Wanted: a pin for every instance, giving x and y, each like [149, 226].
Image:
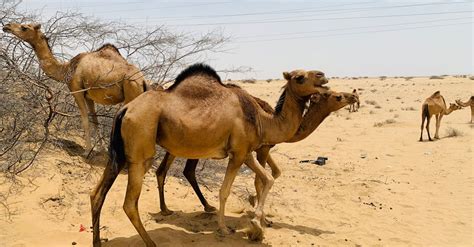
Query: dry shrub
[251, 81]
[410, 108]
[436, 77]
[471, 77]
[371, 102]
[452, 132]
[388, 121]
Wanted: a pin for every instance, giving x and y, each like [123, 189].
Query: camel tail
[116, 149]
[425, 112]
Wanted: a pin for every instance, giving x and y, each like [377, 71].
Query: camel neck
[48, 63]
[281, 126]
[448, 111]
[311, 120]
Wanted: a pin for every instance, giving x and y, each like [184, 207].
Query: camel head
[304, 83]
[458, 102]
[333, 100]
[30, 33]
[453, 107]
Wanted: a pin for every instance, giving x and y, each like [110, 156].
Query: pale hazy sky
[341, 38]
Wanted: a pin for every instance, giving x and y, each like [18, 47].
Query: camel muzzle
[6, 29]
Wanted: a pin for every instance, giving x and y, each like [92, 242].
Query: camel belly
[110, 96]
[196, 134]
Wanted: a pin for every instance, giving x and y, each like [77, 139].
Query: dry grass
[252, 81]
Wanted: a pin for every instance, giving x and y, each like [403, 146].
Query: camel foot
[436, 137]
[210, 209]
[431, 140]
[223, 231]
[266, 222]
[166, 212]
[256, 232]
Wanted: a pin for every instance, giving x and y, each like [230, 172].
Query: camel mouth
[6, 29]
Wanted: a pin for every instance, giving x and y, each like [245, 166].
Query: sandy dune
[380, 185]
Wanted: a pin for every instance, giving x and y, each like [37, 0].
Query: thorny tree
[36, 110]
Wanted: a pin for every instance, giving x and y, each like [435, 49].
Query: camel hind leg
[428, 127]
[190, 174]
[97, 199]
[160, 177]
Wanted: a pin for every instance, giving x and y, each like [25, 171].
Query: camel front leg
[190, 174]
[438, 123]
[136, 172]
[472, 113]
[235, 161]
[91, 106]
[160, 177]
[256, 234]
[81, 103]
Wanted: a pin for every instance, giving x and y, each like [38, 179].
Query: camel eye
[320, 74]
[339, 98]
[299, 79]
[24, 29]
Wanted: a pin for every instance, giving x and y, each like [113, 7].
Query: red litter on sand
[82, 228]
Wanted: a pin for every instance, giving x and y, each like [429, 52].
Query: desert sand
[380, 185]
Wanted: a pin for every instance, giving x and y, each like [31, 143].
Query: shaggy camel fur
[435, 105]
[322, 104]
[356, 105]
[102, 76]
[200, 117]
[470, 103]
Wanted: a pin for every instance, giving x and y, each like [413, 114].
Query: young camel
[102, 76]
[200, 117]
[321, 106]
[470, 103]
[352, 107]
[435, 105]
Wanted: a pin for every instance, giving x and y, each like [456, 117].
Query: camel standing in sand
[102, 76]
[321, 106]
[356, 105]
[470, 103]
[200, 117]
[435, 105]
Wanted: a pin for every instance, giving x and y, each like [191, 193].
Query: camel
[435, 105]
[320, 107]
[470, 102]
[102, 76]
[352, 107]
[200, 117]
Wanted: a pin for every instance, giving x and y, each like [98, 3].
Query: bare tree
[36, 111]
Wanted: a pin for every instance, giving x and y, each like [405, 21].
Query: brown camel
[200, 117]
[102, 76]
[470, 102]
[356, 105]
[322, 104]
[435, 105]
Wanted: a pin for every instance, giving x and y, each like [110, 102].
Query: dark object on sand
[319, 161]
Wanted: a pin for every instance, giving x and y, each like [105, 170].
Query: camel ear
[36, 26]
[287, 76]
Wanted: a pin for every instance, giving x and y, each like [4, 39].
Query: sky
[341, 38]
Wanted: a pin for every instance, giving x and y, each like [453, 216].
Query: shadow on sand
[199, 229]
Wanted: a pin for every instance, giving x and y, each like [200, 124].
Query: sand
[380, 185]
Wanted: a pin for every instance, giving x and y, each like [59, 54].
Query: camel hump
[108, 46]
[195, 69]
[436, 94]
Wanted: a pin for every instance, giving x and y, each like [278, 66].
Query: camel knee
[130, 210]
